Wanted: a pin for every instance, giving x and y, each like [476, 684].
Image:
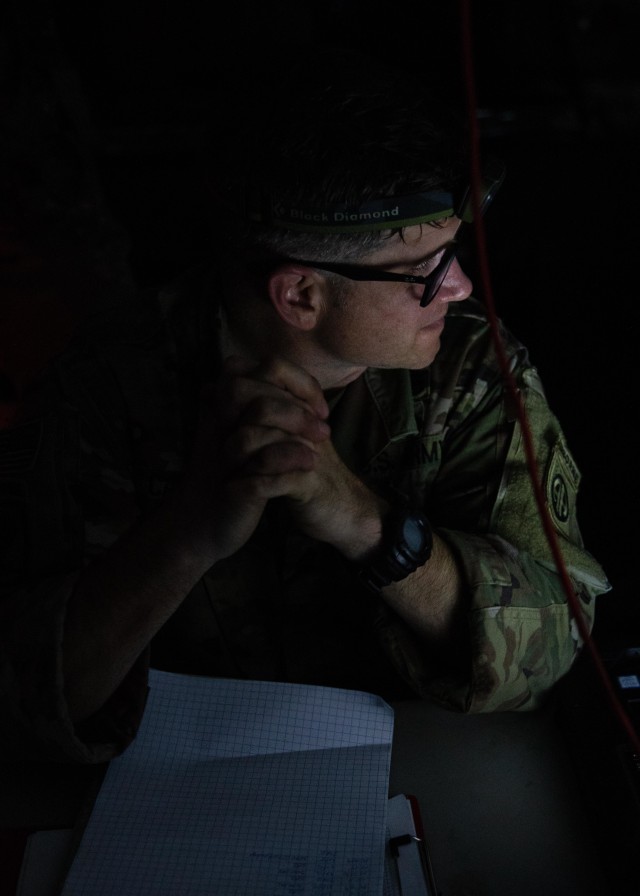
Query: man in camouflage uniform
[212, 490]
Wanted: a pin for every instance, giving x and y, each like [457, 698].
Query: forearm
[343, 511]
[430, 599]
[122, 600]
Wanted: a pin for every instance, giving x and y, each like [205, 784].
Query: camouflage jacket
[104, 435]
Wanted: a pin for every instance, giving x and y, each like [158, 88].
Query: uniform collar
[372, 412]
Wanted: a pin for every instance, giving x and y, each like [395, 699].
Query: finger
[281, 412]
[285, 375]
[248, 441]
[280, 458]
[244, 400]
[251, 400]
[254, 401]
[277, 471]
[257, 488]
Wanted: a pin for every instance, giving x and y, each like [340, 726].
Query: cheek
[360, 336]
[400, 319]
[391, 338]
[378, 326]
[376, 322]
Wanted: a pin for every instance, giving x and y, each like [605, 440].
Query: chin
[417, 361]
[420, 365]
[425, 357]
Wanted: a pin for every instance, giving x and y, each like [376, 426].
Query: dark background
[101, 195]
[102, 104]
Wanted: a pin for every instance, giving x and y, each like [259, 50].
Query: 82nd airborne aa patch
[561, 487]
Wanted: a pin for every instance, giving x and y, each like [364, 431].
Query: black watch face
[413, 533]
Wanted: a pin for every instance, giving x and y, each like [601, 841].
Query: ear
[298, 294]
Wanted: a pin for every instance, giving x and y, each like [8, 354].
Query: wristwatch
[407, 542]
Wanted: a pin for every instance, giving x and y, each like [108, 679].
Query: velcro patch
[561, 487]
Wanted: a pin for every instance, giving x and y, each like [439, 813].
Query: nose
[456, 285]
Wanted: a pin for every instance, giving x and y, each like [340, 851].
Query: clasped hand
[263, 433]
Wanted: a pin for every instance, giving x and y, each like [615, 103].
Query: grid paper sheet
[243, 788]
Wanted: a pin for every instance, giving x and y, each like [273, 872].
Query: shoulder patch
[561, 487]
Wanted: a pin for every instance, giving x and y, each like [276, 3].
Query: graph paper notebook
[239, 788]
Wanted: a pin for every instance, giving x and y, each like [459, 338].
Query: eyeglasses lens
[437, 277]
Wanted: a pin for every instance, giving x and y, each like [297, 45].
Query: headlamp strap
[376, 214]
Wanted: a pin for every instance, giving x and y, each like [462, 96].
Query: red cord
[512, 389]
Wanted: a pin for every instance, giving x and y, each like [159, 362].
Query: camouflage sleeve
[45, 543]
[522, 632]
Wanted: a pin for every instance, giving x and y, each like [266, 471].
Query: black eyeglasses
[432, 282]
